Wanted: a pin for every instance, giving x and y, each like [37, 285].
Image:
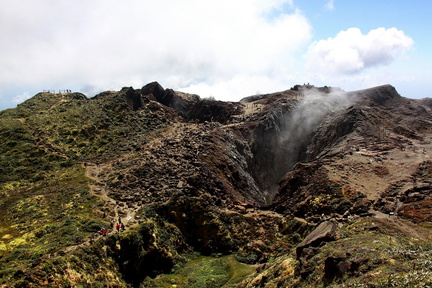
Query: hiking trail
[119, 210]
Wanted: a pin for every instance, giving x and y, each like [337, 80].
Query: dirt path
[98, 189]
[59, 102]
[121, 212]
[98, 172]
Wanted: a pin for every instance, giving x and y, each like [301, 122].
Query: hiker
[122, 226]
[103, 231]
[112, 223]
[118, 228]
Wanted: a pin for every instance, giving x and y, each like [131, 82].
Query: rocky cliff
[305, 187]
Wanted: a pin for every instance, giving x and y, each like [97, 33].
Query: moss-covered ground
[203, 272]
[369, 252]
[45, 217]
[45, 200]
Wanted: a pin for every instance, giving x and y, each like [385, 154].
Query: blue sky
[412, 17]
[228, 49]
[410, 73]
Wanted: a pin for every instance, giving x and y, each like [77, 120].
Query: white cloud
[238, 87]
[107, 44]
[330, 5]
[351, 51]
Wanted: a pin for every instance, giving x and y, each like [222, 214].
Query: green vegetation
[369, 252]
[45, 198]
[42, 134]
[44, 217]
[203, 272]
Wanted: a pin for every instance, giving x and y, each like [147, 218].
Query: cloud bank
[351, 51]
[226, 49]
[100, 45]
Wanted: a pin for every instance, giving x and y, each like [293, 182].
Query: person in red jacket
[103, 231]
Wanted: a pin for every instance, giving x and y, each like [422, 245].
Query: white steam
[293, 133]
[308, 114]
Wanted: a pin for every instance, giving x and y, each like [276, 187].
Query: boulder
[135, 98]
[168, 97]
[335, 267]
[361, 206]
[153, 89]
[325, 232]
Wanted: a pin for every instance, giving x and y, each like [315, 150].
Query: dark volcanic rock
[335, 267]
[325, 232]
[306, 189]
[169, 98]
[214, 111]
[384, 95]
[362, 205]
[155, 90]
[135, 97]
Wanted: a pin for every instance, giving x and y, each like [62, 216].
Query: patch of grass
[47, 217]
[203, 272]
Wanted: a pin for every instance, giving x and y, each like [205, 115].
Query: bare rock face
[416, 205]
[168, 97]
[191, 106]
[362, 205]
[325, 232]
[137, 99]
[335, 267]
[154, 90]
[213, 111]
[307, 190]
[383, 96]
[415, 201]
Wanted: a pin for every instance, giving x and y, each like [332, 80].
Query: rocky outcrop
[168, 97]
[325, 232]
[154, 91]
[136, 99]
[413, 203]
[306, 191]
[213, 111]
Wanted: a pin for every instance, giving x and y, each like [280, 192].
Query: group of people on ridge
[119, 226]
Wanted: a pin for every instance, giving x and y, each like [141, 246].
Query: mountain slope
[195, 177]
